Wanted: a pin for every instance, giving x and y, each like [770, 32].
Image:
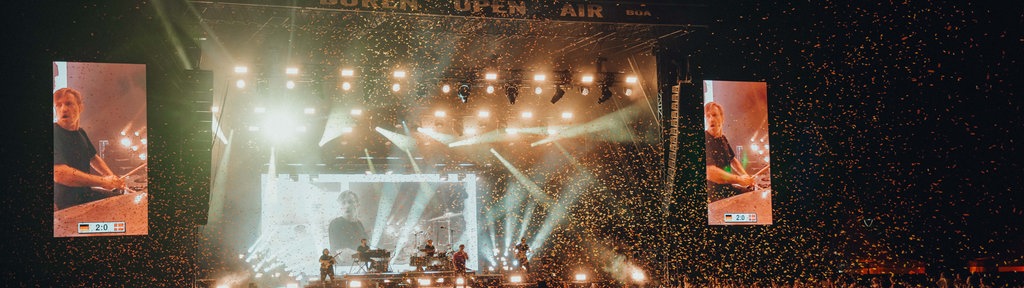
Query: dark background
[904, 116]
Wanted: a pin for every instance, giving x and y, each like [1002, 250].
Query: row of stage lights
[465, 87]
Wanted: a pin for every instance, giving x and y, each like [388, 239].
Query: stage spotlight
[464, 91]
[356, 112]
[559, 92]
[491, 76]
[222, 286]
[515, 279]
[581, 277]
[629, 92]
[539, 77]
[637, 276]
[439, 113]
[585, 91]
[399, 74]
[510, 131]
[587, 79]
[291, 71]
[446, 88]
[355, 283]
[240, 83]
[396, 87]
[527, 115]
[631, 79]
[538, 90]
[346, 86]
[483, 114]
[290, 84]
[460, 281]
[490, 89]
[512, 92]
[347, 72]
[566, 115]
[423, 281]
[241, 69]
[606, 93]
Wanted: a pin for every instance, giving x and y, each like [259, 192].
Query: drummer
[429, 248]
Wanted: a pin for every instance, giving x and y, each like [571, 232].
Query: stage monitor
[737, 153]
[99, 149]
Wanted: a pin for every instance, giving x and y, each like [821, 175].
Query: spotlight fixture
[585, 91]
[346, 86]
[446, 88]
[491, 76]
[538, 90]
[587, 79]
[559, 92]
[631, 79]
[490, 89]
[240, 84]
[629, 92]
[241, 69]
[512, 92]
[396, 87]
[291, 71]
[347, 72]
[290, 84]
[464, 91]
[399, 74]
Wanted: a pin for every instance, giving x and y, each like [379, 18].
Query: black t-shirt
[326, 258]
[72, 148]
[429, 249]
[345, 233]
[719, 154]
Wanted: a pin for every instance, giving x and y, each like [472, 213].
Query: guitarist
[327, 265]
[521, 250]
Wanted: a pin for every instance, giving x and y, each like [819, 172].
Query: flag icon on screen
[728, 217]
[119, 227]
[753, 217]
[82, 228]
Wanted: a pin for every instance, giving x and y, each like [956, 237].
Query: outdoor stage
[421, 279]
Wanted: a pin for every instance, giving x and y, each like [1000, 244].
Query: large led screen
[99, 149]
[737, 153]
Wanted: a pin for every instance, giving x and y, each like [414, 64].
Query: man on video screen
[74, 155]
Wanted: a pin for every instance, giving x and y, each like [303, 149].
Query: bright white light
[290, 84]
[581, 277]
[346, 130]
[440, 280]
[395, 87]
[347, 72]
[309, 110]
[765, 146]
[539, 77]
[491, 76]
[136, 133]
[214, 109]
[346, 86]
[552, 131]
[222, 286]
[144, 142]
[629, 91]
[527, 114]
[631, 79]
[538, 90]
[357, 112]
[135, 147]
[588, 79]
[637, 276]
[510, 131]
[766, 159]
[566, 115]
[258, 275]
[585, 91]
[446, 88]
[470, 130]
[292, 285]
[126, 142]
[439, 113]
[423, 281]
[515, 279]
[260, 109]
[754, 147]
[291, 71]
[355, 283]
[241, 69]
[240, 84]
[460, 281]
[142, 156]
[123, 133]
[490, 89]
[240, 256]
[483, 114]
[399, 74]
[425, 129]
